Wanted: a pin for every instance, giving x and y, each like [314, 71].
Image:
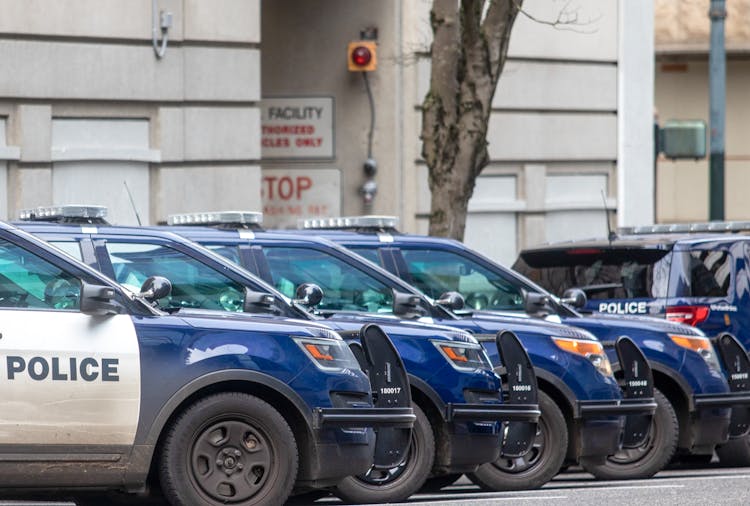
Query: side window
[436, 272]
[710, 273]
[27, 281]
[72, 248]
[370, 254]
[194, 285]
[345, 288]
[231, 253]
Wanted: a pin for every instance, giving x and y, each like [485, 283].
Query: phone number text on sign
[291, 194]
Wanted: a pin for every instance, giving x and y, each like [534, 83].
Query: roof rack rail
[368, 222]
[218, 219]
[688, 228]
[68, 213]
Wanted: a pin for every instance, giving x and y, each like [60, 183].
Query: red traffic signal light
[362, 56]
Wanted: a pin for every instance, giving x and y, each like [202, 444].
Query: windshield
[345, 288]
[194, 285]
[602, 273]
[437, 271]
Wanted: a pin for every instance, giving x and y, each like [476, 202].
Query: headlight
[701, 345]
[328, 354]
[592, 350]
[463, 356]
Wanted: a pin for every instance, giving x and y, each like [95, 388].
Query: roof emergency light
[360, 222]
[70, 213]
[237, 218]
[362, 56]
[687, 228]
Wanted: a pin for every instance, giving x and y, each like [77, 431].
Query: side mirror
[575, 297]
[96, 300]
[452, 300]
[155, 288]
[256, 302]
[308, 294]
[407, 305]
[535, 303]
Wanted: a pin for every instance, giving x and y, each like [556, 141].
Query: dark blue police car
[101, 389]
[456, 395]
[580, 401]
[694, 396]
[696, 274]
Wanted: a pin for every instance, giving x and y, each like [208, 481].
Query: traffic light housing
[362, 56]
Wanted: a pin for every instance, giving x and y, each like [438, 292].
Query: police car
[582, 408]
[456, 395]
[101, 389]
[695, 274]
[694, 399]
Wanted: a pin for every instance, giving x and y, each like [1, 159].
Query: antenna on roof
[132, 203]
[611, 234]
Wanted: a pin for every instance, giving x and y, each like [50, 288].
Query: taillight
[689, 315]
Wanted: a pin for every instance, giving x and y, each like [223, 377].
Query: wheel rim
[632, 455]
[231, 460]
[379, 477]
[532, 458]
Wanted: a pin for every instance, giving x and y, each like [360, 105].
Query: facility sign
[297, 128]
[291, 194]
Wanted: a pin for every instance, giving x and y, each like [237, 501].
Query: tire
[436, 483]
[220, 440]
[537, 467]
[398, 483]
[735, 452]
[651, 457]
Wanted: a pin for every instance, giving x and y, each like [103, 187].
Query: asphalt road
[710, 486]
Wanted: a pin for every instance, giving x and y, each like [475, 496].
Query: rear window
[602, 273]
[701, 273]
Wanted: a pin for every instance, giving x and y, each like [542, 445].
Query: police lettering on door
[62, 369]
[624, 307]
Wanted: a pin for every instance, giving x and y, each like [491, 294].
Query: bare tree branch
[567, 18]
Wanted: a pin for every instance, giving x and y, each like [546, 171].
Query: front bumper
[472, 436]
[600, 424]
[717, 416]
[593, 409]
[492, 412]
[343, 442]
[327, 418]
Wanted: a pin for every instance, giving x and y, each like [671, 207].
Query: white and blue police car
[101, 389]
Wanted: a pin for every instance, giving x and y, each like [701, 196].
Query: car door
[67, 378]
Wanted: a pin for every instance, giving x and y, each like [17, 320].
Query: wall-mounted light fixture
[162, 22]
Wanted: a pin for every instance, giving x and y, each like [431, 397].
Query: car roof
[645, 241]
[367, 237]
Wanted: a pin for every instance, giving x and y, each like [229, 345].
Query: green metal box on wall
[683, 139]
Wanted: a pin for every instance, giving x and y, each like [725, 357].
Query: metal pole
[717, 100]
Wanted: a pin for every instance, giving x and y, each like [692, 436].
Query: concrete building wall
[681, 92]
[93, 60]
[556, 132]
[89, 106]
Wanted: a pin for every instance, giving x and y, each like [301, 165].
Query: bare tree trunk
[468, 54]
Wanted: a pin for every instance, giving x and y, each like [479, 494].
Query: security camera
[371, 167]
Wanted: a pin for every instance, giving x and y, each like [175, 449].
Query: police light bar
[216, 218]
[689, 228]
[360, 222]
[65, 212]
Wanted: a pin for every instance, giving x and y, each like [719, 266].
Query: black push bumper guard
[492, 412]
[591, 409]
[326, 418]
[721, 400]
